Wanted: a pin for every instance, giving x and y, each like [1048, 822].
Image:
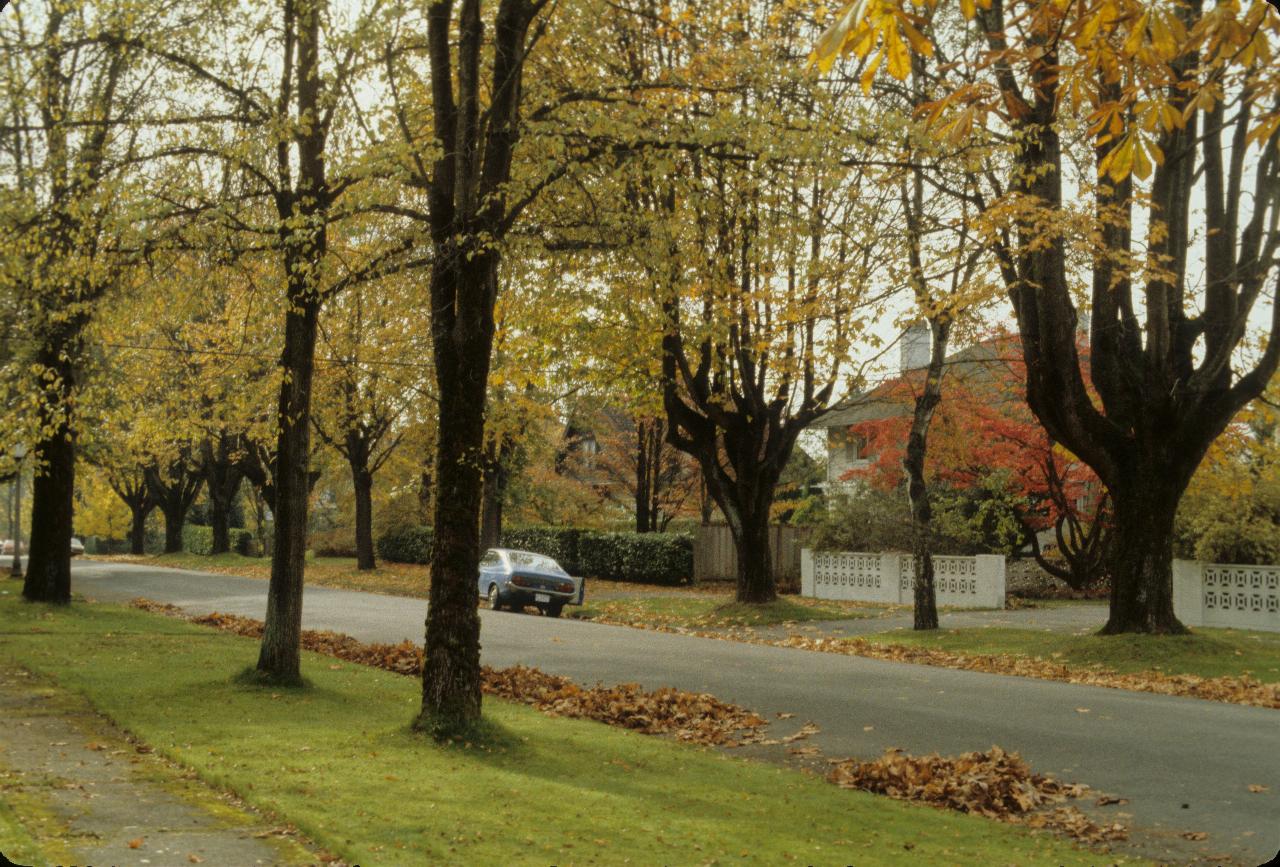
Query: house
[984, 362]
[989, 372]
[983, 424]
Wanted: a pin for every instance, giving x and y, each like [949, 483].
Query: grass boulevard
[337, 760]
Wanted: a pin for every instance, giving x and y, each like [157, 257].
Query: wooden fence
[715, 558]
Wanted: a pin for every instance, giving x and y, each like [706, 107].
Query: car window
[491, 558]
[526, 560]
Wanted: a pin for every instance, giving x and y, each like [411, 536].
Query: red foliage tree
[984, 426]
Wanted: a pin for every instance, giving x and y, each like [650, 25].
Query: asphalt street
[1183, 764]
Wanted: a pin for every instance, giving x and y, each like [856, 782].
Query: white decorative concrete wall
[1224, 595]
[963, 582]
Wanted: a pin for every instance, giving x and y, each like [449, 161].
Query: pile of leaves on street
[694, 717]
[1236, 690]
[995, 784]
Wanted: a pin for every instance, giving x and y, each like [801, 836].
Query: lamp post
[19, 452]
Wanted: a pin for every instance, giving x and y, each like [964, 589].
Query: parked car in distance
[6, 547]
[514, 579]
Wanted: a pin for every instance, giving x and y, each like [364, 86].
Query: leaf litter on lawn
[694, 717]
[995, 784]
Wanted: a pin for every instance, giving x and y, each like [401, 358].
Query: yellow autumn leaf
[897, 56]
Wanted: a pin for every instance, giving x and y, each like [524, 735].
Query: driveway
[1184, 764]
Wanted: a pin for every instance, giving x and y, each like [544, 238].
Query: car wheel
[554, 609]
[494, 603]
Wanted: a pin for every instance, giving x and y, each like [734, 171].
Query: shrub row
[562, 544]
[199, 540]
[649, 558]
[338, 542]
[405, 545]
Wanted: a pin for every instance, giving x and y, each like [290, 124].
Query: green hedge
[199, 540]
[647, 558]
[405, 545]
[562, 544]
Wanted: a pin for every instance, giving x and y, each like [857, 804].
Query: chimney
[914, 347]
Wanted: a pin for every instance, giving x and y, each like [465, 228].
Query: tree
[1178, 102]
[221, 466]
[364, 391]
[72, 97]
[284, 164]
[174, 482]
[464, 168]
[1231, 512]
[1001, 479]
[747, 255]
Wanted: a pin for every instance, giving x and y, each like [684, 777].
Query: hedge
[562, 544]
[199, 540]
[647, 558]
[405, 545]
[338, 542]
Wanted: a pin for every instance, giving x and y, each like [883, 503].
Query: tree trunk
[755, 566]
[174, 518]
[303, 213]
[222, 482]
[138, 528]
[451, 665]
[925, 597]
[363, 481]
[1140, 558]
[220, 523]
[644, 479]
[494, 491]
[52, 505]
[279, 659]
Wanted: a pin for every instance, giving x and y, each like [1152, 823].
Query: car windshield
[525, 560]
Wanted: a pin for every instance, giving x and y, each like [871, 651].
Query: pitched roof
[887, 399]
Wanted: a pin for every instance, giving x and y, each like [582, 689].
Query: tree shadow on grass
[253, 678]
[483, 735]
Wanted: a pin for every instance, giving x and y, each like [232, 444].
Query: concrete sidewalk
[92, 796]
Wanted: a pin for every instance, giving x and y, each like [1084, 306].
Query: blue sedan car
[514, 579]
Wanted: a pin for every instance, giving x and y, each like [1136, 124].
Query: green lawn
[16, 842]
[338, 760]
[706, 611]
[1207, 652]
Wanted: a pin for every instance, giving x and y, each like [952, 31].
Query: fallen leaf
[868, 728]
[785, 715]
[1195, 836]
[996, 784]
[194, 858]
[1082, 710]
[1258, 788]
[135, 843]
[1106, 800]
